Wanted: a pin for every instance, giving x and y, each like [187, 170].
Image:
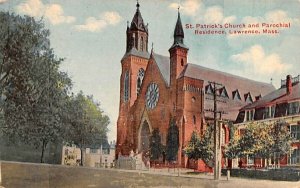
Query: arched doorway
[144, 137]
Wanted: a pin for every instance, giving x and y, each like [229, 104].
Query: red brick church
[155, 88]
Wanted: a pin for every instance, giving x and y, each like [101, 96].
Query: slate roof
[137, 53]
[276, 97]
[231, 83]
[163, 64]
[137, 21]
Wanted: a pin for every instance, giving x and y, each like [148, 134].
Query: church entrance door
[145, 137]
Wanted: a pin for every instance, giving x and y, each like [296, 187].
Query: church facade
[155, 89]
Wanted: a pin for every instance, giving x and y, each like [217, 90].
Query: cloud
[256, 62]
[53, 12]
[188, 7]
[93, 24]
[215, 14]
[2, 1]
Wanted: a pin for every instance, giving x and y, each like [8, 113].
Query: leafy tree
[172, 141]
[261, 140]
[232, 149]
[87, 123]
[156, 147]
[192, 150]
[282, 139]
[201, 148]
[32, 89]
[207, 146]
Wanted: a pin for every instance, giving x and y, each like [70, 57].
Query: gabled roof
[163, 64]
[232, 83]
[278, 96]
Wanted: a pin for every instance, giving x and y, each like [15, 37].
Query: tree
[87, 123]
[192, 149]
[232, 149]
[156, 148]
[206, 146]
[172, 141]
[32, 89]
[261, 140]
[282, 139]
[201, 148]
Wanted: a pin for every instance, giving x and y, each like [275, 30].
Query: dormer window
[223, 92]
[236, 95]
[257, 97]
[208, 89]
[248, 98]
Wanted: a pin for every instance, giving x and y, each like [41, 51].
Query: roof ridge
[229, 74]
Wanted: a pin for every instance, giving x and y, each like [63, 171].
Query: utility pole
[217, 131]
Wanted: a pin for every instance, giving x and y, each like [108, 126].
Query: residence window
[295, 131]
[295, 157]
[293, 108]
[269, 112]
[250, 115]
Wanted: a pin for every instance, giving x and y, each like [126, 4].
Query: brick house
[155, 88]
[281, 104]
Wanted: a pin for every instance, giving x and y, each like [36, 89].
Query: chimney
[288, 84]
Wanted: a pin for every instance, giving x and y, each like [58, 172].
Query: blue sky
[90, 34]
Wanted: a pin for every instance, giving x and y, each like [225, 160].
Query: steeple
[178, 33]
[137, 22]
[137, 33]
[178, 54]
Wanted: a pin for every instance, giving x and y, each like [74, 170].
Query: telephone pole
[217, 131]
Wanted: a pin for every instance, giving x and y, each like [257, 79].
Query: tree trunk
[44, 145]
[81, 157]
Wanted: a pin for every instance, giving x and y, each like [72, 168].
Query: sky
[90, 35]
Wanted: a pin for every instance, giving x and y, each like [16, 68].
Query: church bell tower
[134, 64]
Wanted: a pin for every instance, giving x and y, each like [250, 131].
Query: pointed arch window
[194, 119]
[142, 44]
[133, 39]
[126, 86]
[139, 81]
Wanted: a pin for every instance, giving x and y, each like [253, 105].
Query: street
[15, 175]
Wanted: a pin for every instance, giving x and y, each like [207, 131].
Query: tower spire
[178, 32]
